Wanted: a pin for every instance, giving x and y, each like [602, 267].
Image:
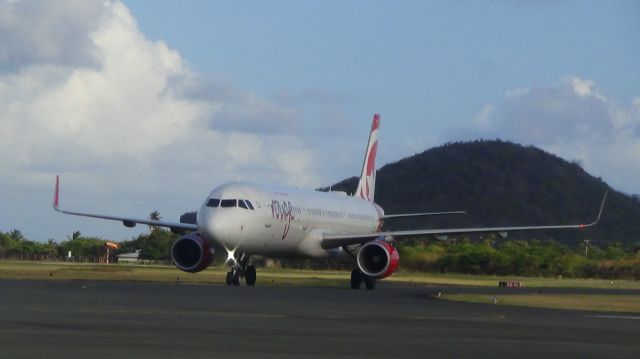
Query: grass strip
[216, 274]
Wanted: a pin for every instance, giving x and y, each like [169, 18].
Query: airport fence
[75, 259]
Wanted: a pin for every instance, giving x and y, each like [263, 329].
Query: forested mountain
[500, 183]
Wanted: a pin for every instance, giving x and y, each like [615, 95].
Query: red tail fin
[367, 184]
[56, 195]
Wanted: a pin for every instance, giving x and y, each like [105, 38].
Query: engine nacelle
[378, 259]
[191, 253]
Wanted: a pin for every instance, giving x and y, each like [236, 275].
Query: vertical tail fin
[56, 194]
[367, 185]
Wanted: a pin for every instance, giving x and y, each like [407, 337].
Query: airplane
[257, 220]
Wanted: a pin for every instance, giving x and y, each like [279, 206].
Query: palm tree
[51, 245]
[74, 236]
[16, 235]
[154, 216]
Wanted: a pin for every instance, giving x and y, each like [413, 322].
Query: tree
[5, 243]
[74, 236]
[16, 235]
[51, 246]
[156, 245]
[83, 246]
[154, 216]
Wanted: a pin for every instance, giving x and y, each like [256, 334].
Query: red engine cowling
[378, 259]
[191, 253]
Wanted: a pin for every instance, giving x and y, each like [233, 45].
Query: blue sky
[145, 106]
[427, 67]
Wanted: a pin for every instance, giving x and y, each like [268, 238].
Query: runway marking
[628, 317]
[479, 319]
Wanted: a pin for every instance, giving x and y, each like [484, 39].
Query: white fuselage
[278, 222]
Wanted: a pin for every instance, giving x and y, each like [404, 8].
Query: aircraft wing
[127, 221]
[334, 240]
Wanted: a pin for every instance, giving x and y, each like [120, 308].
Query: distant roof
[129, 255]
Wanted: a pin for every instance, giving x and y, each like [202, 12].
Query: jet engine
[378, 259]
[191, 253]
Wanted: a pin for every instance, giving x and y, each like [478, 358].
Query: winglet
[56, 195]
[604, 199]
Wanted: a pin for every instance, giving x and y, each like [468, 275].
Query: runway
[82, 319]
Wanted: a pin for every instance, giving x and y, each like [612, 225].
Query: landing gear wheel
[236, 278]
[250, 275]
[229, 278]
[356, 278]
[369, 283]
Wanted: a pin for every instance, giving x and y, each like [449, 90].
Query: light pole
[587, 243]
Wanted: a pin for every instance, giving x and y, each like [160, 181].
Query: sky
[148, 105]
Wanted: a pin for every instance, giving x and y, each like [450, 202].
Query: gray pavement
[87, 319]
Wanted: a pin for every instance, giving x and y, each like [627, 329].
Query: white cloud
[575, 120]
[46, 32]
[84, 93]
[516, 92]
[583, 87]
[116, 107]
[483, 118]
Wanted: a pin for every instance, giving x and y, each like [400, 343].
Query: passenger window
[228, 203]
[249, 204]
[213, 202]
[241, 204]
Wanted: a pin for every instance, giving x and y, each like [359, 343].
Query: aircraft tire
[236, 278]
[250, 275]
[356, 278]
[369, 283]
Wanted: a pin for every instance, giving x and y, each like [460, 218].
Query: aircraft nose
[215, 226]
[218, 227]
[221, 225]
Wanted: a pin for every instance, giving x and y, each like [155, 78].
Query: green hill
[501, 183]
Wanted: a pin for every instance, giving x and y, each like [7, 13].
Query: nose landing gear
[240, 270]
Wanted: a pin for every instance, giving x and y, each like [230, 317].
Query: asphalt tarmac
[87, 319]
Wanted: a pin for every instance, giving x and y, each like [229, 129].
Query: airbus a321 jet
[249, 219]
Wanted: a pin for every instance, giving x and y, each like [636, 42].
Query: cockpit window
[228, 203]
[213, 202]
[249, 204]
[242, 204]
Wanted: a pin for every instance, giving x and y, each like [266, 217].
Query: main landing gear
[357, 277]
[240, 270]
